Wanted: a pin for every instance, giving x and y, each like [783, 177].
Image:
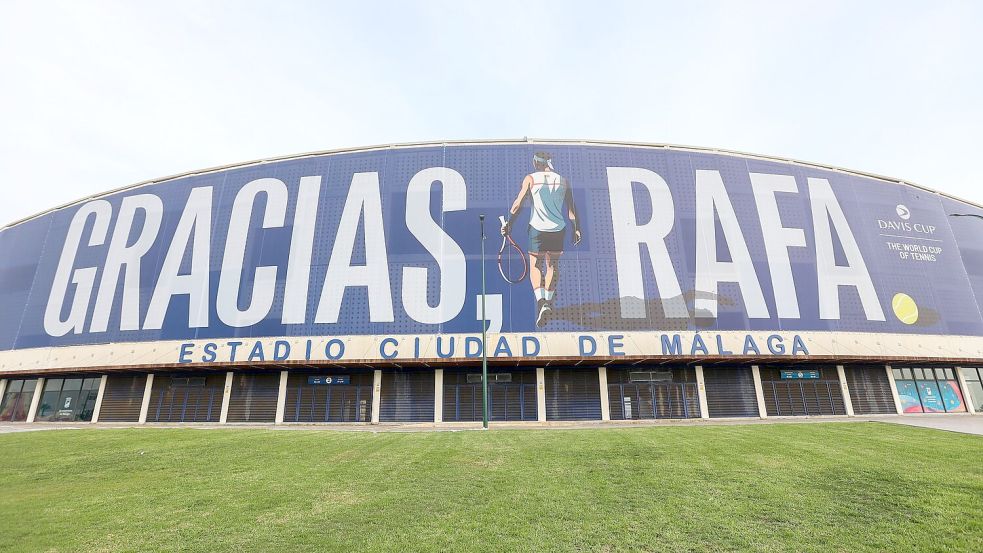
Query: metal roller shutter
[730, 392]
[802, 397]
[870, 390]
[573, 394]
[253, 397]
[122, 398]
[407, 396]
[186, 398]
[308, 402]
[514, 400]
[633, 399]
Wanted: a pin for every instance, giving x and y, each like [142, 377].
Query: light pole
[484, 338]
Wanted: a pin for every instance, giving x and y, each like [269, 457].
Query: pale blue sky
[98, 95]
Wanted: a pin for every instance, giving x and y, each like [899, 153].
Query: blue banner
[596, 239]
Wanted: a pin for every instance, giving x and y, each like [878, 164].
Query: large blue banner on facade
[595, 238]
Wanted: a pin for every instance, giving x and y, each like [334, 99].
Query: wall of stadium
[372, 258]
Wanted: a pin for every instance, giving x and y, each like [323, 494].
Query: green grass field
[801, 487]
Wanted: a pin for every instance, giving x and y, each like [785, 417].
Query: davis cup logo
[903, 212]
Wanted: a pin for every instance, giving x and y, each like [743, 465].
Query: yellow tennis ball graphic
[905, 308]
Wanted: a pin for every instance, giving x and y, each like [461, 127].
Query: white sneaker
[545, 311]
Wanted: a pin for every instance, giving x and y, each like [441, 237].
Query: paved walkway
[967, 424]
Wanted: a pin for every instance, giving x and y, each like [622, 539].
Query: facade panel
[253, 397]
[730, 392]
[407, 396]
[870, 390]
[122, 399]
[573, 394]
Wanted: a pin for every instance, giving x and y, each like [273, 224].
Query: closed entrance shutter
[407, 396]
[573, 394]
[870, 390]
[730, 392]
[186, 398]
[122, 399]
[644, 393]
[511, 394]
[801, 397]
[253, 397]
[307, 402]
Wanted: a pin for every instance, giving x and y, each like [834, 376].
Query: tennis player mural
[552, 206]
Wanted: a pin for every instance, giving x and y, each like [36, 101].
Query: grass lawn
[801, 487]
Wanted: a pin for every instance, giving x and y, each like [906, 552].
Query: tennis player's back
[549, 193]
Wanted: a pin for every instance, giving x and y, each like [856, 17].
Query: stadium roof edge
[524, 140]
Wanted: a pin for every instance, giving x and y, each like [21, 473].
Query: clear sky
[95, 95]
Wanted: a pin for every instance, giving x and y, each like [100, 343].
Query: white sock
[549, 295]
[540, 293]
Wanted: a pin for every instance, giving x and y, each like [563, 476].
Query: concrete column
[226, 396]
[894, 390]
[847, 402]
[281, 398]
[967, 399]
[376, 394]
[3, 387]
[701, 391]
[758, 392]
[602, 378]
[102, 392]
[35, 400]
[438, 395]
[145, 406]
[541, 394]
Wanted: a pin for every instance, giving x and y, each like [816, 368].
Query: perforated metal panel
[730, 392]
[676, 398]
[179, 398]
[799, 397]
[870, 390]
[509, 401]
[253, 397]
[122, 398]
[573, 394]
[329, 403]
[407, 396]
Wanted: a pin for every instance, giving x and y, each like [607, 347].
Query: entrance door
[870, 390]
[653, 393]
[511, 394]
[928, 390]
[186, 398]
[730, 392]
[407, 396]
[122, 398]
[573, 394]
[68, 399]
[253, 397]
[788, 393]
[974, 381]
[17, 399]
[310, 398]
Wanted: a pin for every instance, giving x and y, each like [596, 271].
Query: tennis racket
[512, 262]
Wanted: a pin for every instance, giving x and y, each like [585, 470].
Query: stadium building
[622, 281]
